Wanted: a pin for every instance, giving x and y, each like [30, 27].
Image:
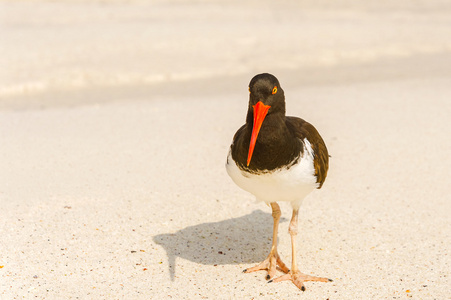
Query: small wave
[85, 78]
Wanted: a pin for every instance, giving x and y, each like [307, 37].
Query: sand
[115, 123]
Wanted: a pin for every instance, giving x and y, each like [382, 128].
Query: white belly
[291, 184]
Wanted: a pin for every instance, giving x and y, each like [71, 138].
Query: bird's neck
[275, 146]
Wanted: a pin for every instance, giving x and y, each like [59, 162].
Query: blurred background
[146, 48]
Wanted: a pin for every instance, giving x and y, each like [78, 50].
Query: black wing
[302, 129]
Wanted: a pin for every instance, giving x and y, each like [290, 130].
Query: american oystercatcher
[277, 158]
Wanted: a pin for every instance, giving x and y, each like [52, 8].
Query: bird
[277, 158]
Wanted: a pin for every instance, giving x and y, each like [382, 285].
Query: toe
[314, 278]
[298, 282]
[282, 266]
[271, 268]
[282, 278]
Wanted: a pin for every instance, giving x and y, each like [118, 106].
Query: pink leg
[273, 260]
[295, 275]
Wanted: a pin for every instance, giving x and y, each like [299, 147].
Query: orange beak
[260, 111]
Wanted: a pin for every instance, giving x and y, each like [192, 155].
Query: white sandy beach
[116, 119]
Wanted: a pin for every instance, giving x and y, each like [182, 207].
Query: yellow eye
[249, 90]
[274, 90]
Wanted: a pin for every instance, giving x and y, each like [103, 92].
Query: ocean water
[48, 46]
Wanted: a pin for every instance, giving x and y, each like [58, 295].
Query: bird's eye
[274, 90]
[249, 90]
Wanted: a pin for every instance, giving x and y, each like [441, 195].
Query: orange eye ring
[274, 90]
[249, 90]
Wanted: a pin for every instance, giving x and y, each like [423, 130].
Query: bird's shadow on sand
[246, 239]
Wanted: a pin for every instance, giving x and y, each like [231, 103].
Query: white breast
[285, 184]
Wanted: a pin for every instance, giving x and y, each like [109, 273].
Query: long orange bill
[260, 111]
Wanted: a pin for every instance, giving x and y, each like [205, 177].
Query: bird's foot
[299, 278]
[271, 263]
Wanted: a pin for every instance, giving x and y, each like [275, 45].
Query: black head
[266, 101]
[266, 88]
